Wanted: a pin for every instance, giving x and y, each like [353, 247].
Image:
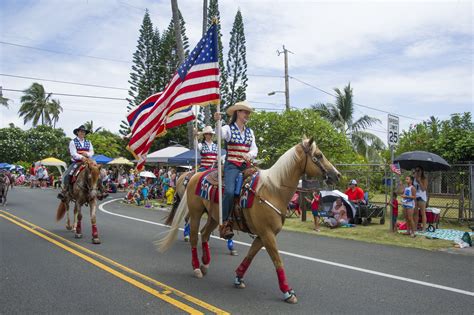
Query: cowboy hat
[243, 105]
[81, 127]
[207, 129]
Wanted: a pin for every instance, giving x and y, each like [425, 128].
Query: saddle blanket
[207, 189]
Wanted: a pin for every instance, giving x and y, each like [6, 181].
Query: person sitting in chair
[80, 150]
[339, 213]
[355, 193]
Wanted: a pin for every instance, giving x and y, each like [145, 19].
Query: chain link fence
[450, 191]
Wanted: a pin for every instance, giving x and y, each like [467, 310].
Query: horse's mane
[273, 177]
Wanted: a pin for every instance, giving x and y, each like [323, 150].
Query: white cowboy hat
[243, 105]
[207, 129]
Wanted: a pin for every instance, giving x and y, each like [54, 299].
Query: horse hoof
[186, 238]
[69, 227]
[96, 241]
[290, 297]
[239, 283]
[78, 235]
[198, 273]
[234, 253]
[204, 269]
[292, 300]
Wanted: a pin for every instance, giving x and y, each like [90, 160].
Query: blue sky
[408, 57]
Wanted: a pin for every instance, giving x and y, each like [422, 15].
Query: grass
[374, 233]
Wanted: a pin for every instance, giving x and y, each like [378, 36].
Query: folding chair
[292, 210]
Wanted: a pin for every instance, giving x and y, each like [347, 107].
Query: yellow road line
[167, 289]
[100, 265]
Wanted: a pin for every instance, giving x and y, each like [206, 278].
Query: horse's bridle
[315, 159]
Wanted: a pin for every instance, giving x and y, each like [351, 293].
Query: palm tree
[90, 126]
[341, 115]
[55, 109]
[3, 100]
[35, 105]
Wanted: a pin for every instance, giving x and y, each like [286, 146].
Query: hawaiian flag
[195, 83]
[395, 168]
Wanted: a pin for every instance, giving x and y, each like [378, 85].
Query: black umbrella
[427, 160]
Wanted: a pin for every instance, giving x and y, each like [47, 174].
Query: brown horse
[4, 185]
[265, 218]
[84, 191]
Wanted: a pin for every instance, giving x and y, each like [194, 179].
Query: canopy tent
[120, 161]
[187, 158]
[102, 159]
[5, 166]
[162, 156]
[51, 161]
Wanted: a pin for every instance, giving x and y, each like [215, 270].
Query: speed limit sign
[393, 133]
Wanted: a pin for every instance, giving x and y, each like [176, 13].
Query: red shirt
[315, 203]
[395, 207]
[32, 170]
[357, 194]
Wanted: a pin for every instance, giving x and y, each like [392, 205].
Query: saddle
[208, 189]
[75, 174]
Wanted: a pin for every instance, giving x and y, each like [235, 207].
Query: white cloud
[381, 48]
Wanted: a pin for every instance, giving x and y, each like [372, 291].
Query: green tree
[55, 109]
[13, 145]
[453, 139]
[341, 115]
[141, 77]
[108, 143]
[45, 141]
[236, 62]
[35, 105]
[275, 133]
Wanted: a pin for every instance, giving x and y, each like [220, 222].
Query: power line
[64, 53]
[361, 105]
[74, 95]
[65, 82]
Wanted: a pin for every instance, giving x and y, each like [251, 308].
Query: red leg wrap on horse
[95, 233]
[284, 287]
[206, 253]
[78, 227]
[244, 265]
[195, 259]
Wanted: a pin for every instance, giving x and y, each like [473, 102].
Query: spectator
[408, 204]
[339, 213]
[315, 209]
[32, 175]
[421, 185]
[295, 203]
[165, 183]
[355, 193]
[394, 204]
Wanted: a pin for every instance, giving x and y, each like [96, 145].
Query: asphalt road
[43, 269]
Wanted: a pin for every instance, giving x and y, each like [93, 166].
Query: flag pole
[196, 139]
[219, 164]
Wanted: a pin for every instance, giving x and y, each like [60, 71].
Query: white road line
[322, 261]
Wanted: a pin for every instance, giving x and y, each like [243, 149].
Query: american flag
[195, 83]
[395, 168]
[136, 116]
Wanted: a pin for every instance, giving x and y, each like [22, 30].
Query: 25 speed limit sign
[393, 134]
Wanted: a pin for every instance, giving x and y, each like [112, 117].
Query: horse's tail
[165, 243]
[170, 216]
[61, 211]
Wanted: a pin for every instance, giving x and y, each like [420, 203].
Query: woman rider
[241, 149]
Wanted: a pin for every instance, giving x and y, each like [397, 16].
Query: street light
[274, 92]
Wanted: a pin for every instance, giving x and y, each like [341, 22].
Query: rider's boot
[62, 195]
[225, 230]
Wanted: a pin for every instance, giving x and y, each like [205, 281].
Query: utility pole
[287, 77]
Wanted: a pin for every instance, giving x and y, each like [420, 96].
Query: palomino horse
[4, 185]
[264, 219]
[84, 191]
